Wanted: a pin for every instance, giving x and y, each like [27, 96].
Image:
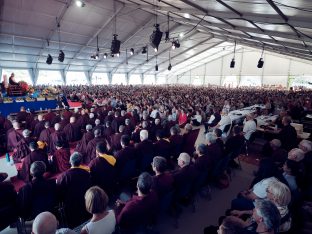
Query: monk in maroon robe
[71, 131]
[14, 135]
[49, 116]
[38, 127]
[115, 139]
[22, 115]
[91, 147]
[73, 185]
[46, 133]
[61, 157]
[22, 147]
[83, 119]
[35, 155]
[86, 138]
[57, 135]
[67, 114]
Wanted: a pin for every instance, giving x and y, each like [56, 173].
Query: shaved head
[44, 223]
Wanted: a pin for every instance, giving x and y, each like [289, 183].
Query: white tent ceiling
[283, 26]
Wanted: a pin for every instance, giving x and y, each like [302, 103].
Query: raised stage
[8, 108]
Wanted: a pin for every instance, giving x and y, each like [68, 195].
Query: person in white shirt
[154, 113]
[197, 119]
[249, 126]
[103, 221]
[225, 120]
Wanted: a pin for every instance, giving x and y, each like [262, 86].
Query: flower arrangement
[7, 100]
[29, 99]
[41, 98]
[24, 86]
[19, 99]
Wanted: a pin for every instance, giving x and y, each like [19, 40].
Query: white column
[110, 78]
[63, 74]
[142, 78]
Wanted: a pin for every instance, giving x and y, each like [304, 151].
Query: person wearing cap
[37, 195]
[57, 135]
[81, 146]
[34, 155]
[103, 168]
[72, 186]
[61, 157]
[22, 147]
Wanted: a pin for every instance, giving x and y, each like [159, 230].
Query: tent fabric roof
[29, 32]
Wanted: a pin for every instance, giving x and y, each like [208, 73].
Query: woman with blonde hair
[103, 221]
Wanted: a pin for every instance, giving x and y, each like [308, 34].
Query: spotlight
[187, 15]
[132, 51]
[232, 64]
[181, 35]
[156, 67]
[167, 36]
[260, 63]
[61, 56]
[175, 44]
[49, 59]
[155, 38]
[169, 67]
[115, 45]
[118, 54]
[105, 55]
[80, 3]
[144, 50]
[112, 55]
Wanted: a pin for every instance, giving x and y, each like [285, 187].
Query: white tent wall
[276, 71]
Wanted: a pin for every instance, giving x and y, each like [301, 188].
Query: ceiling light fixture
[97, 53]
[49, 59]
[181, 35]
[115, 47]
[261, 61]
[175, 44]
[144, 50]
[155, 38]
[80, 3]
[132, 51]
[105, 56]
[232, 64]
[61, 56]
[169, 66]
[187, 15]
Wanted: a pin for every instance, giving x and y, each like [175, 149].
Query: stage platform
[8, 108]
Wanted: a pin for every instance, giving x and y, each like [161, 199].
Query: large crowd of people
[132, 148]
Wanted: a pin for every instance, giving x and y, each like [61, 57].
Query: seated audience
[61, 157]
[72, 186]
[38, 195]
[22, 147]
[91, 147]
[288, 134]
[81, 146]
[162, 146]
[103, 221]
[141, 209]
[250, 126]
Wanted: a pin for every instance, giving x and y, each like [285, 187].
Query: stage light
[232, 64]
[132, 51]
[118, 54]
[155, 38]
[175, 44]
[112, 55]
[169, 67]
[181, 35]
[156, 67]
[260, 63]
[61, 56]
[80, 3]
[105, 55]
[167, 38]
[115, 45]
[144, 50]
[49, 59]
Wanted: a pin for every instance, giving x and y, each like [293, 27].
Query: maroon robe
[38, 129]
[57, 136]
[21, 116]
[37, 155]
[61, 159]
[45, 135]
[22, 149]
[91, 149]
[32, 124]
[83, 143]
[115, 141]
[49, 117]
[13, 137]
[73, 185]
[72, 132]
[7, 125]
